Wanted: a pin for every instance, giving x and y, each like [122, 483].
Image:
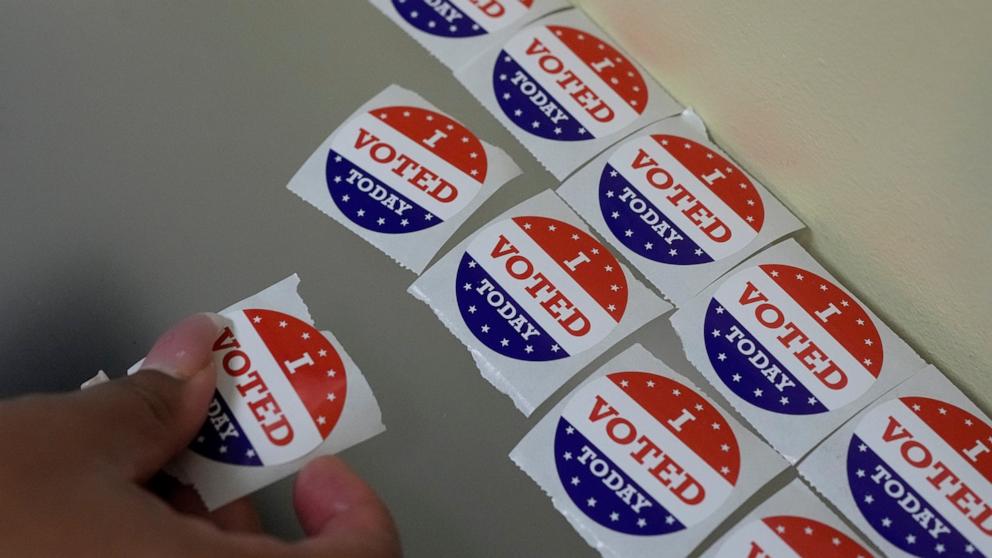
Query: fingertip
[335, 504]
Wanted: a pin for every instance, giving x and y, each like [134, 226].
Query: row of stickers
[636, 458]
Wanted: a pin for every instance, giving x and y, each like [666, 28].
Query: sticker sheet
[793, 523]
[640, 462]
[402, 175]
[286, 393]
[913, 471]
[792, 349]
[535, 298]
[676, 206]
[565, 91]
[456, 31]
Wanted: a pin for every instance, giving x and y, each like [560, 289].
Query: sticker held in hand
[286, 393]
[281, 387]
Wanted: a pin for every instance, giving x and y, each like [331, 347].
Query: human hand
[77, 476]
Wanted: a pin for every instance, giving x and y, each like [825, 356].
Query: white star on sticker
[736, 377]
[283, 323]
[257, 319]
[305, 335]
[504, 342]
[322, 352]
[321, 420]
[485, 329]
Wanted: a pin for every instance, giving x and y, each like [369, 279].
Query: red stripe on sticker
[811, 538]
[608, 63]
[583, 258]
[838, 313]
[720, 175]
[439, 134]
[968, 435]
[308, 360]
[688, 416]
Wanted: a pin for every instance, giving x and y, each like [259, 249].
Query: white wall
[872, 121]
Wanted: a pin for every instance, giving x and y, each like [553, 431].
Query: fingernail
[185, 349]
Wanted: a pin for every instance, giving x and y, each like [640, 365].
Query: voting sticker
[537, 288]
[565, 91]
[792, 523]
[644, 454]
[914, 471]
[401, 169]
[456, 31]
[786, 326]
[281, 387]
[402, 175]
[535, 298]
[673, 200]
[286, 393]
[566, 84]
[461, 18]
[791, 349]
[676, 206]
[791, 536]
[637, 458]
[920, 471]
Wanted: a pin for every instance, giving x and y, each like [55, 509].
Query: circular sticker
[675, 201]
[920, 471]
[790, 536]
[458, 19]
[281, 387]
[789, 341]
[562, 83]
[643, 454]
[403, 169]
[536, 288]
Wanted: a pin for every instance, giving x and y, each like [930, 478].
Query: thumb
[140, 422]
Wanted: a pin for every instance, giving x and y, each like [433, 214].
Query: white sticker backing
[402, 175]
[791, 348]
[564, 91]
[676, 206]
[535, 298]
[638, 459]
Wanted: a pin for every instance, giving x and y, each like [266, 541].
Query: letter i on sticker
[789, 341]
[539, 289]
[920, 471]
[457, 19]
[784, 536]
[561, 83]
[643, 454]
[281, 387]
[402, 169]
[675, 201]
